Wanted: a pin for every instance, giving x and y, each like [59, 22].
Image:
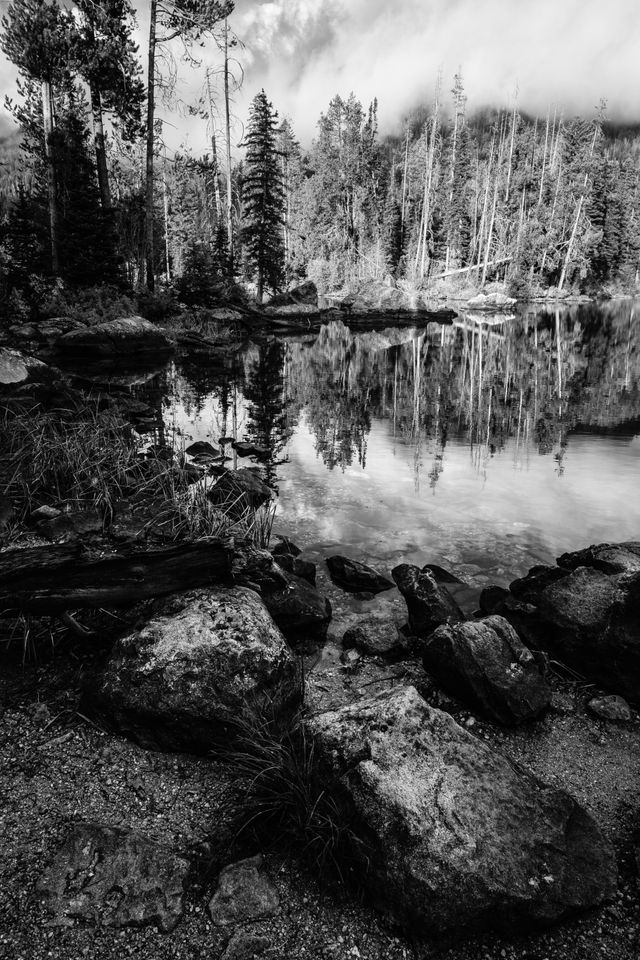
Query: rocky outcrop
[112, 877]
[183, 679]
[125, 337]
[454, 833]
[585, 612]
[306, 293]
[356, 577]
[429, 603]
[244, 893]
[491, 302]
[485, 664]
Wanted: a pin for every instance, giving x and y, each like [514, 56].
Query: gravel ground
[55, 766]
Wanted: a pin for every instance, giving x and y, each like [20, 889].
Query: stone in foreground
[457, 835]
[429, 604]
[183, 679]
[612, 708]
[244, 893]
[113, 877]
[485, 664]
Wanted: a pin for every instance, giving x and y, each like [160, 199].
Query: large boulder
[114, 877]
[125, 337]
[183, 679]
[484, 663]
[306, 293]
[429, 604]
[608, 557]
[455, 834]
[356, 577]
[17, 369]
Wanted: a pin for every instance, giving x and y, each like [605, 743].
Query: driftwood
[53, 579]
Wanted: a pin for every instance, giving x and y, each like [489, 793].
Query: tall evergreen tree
[263, 198]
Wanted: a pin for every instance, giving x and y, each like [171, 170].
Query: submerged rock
[429, 604]
[112, 338]
[244, 893]
[485, 664]
[185, 677]
[356, 577]
[455, 834]
[113, 877]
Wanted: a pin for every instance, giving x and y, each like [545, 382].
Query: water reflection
[483, 419]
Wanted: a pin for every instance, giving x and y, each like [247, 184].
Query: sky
[564, 53]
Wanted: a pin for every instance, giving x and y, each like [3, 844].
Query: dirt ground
[57, 767]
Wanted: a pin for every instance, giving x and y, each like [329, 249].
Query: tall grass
[85, 457]
[77, 457]
[284, 798]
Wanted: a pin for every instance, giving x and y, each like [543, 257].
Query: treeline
[95, 196]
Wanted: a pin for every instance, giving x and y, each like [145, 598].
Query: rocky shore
[485, 784]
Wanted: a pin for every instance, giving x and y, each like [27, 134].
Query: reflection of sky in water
[499, 519]
[487, 515]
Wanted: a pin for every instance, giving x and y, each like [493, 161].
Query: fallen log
[52, 579]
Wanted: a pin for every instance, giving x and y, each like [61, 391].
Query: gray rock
[429, 604]
[300, 611]
[485, 664]
[63, 527]
[377, 637]
[113, 877]
[185, 677]
[356, 577]
[591, 621]
[201, 446]
[305, 293]
[18, 369]
[115, 338]
[610, 708]
[610, 558]
[238, 490]
[300, 568]
[455, 834]
[244, 893]
[245, 945]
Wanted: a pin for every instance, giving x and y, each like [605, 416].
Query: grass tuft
[285, 800]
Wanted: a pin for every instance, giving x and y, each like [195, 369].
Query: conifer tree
[263, 198]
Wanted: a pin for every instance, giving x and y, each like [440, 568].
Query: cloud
[566, 52]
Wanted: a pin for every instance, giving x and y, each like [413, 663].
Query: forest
[90, 194]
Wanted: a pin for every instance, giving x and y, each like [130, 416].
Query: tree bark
[99, 142]
[50, 580]
[52, 187]
[227, 119]
[148, 210]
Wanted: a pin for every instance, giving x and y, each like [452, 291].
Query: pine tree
[263, 198]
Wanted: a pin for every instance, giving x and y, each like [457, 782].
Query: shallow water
[486, 446]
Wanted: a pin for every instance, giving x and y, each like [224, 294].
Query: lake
[486, 446]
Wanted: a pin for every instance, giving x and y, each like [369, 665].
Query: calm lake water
[485, 446]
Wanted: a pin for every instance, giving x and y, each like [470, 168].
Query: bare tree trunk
[404, 185]
[214, 150]
[148, 210]
[165, 205]
[227, 118]
[52, 186]
[544, 159]
[100, 148]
